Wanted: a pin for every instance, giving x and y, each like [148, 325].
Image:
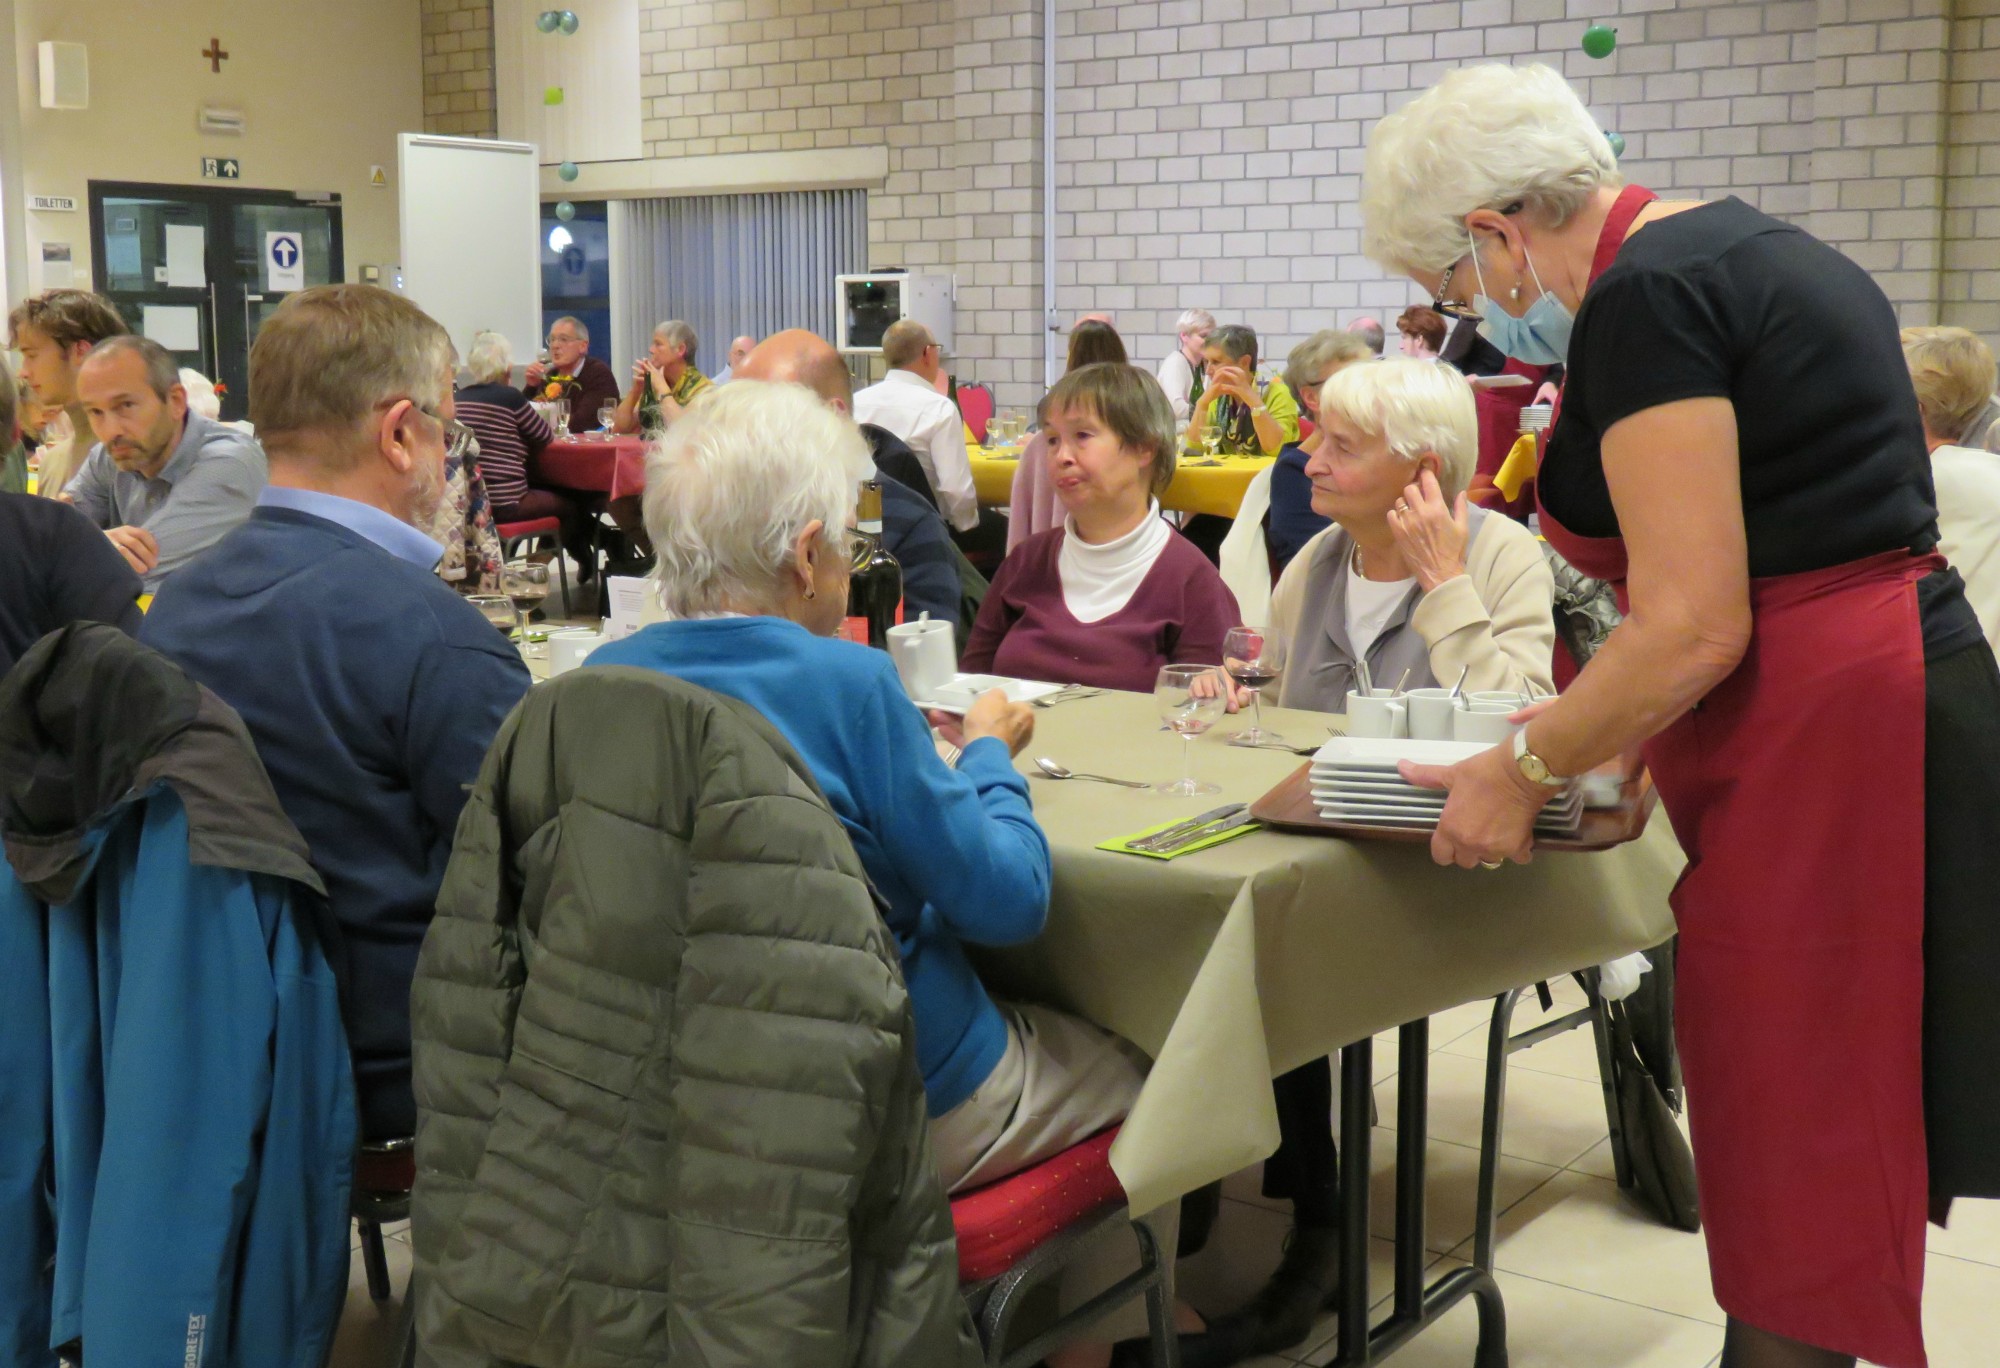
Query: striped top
[509, 432]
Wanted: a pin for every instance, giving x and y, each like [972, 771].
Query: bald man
[1369, 330]
[912, 531]
[738, 349]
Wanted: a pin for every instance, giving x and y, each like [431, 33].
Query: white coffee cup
[1514, 701]
[1375, 715]
[1430, 713]
[926, 655]
[1483, 722]
[569, 645]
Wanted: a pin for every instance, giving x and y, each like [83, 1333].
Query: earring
[1515, 294]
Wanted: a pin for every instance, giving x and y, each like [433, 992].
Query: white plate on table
[959, 694]
[1382, 753]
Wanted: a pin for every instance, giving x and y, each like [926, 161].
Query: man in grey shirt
[163, 483]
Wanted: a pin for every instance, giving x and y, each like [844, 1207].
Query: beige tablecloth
[1235, 964]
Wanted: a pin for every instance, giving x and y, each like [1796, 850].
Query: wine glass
[527, 584]
[1248, 656]
[607, 414]
[497, 609]
[562, 420]
[1191, 700]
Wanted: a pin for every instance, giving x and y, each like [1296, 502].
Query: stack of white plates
[1537, 417]
[1355, 780]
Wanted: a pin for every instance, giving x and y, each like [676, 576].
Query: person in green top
[664, 383]
[1253, 417]
[13, 455]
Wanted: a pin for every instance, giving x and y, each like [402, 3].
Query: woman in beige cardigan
[1410, 577]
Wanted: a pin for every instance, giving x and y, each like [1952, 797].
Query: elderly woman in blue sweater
[748, 501]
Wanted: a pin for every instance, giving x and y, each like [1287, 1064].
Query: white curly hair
[1485, 137]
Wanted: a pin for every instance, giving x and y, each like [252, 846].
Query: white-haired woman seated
[748, 502]
[1954, 375]
[1410, 578]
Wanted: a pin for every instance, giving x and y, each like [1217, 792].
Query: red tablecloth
[616, 467]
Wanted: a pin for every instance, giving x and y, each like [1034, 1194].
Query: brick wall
[1209, 151]
[458, 67]
[1970, 276]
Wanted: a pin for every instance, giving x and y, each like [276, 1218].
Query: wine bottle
[875, 587]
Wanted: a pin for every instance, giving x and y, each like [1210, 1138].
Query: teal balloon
[1617, 141]
[547, 20]
[568, 169]
[565, 211]
[1598, 40]
[569, 21]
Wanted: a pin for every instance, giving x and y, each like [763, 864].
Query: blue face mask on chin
[1539, 337]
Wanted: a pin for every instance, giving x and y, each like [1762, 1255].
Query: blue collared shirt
[387, 531]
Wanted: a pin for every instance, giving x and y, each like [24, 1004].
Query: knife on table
[1179, 829]
[1200, 834]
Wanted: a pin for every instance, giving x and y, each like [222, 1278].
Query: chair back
[975, 405]
[1246, 557]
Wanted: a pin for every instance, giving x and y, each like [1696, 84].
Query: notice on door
[187, 253]
[284, 262]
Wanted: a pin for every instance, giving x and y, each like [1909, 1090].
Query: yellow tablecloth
[1233, 965]
[1216, 489]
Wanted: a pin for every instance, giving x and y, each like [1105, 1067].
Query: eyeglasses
[1451, 308]
[458, 438]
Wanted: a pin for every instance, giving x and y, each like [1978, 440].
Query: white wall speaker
[65, 75]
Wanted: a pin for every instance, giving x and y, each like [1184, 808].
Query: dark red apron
[1796, 788]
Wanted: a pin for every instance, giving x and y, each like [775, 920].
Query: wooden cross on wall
[216, 56]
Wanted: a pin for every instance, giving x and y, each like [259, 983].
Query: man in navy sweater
[912, 530]
[371, 690]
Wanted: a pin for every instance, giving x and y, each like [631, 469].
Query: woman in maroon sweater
[1114, 593]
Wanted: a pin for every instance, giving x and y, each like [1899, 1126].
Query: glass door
[199, 269]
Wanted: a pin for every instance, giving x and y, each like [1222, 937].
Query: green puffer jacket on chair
[668, 1103]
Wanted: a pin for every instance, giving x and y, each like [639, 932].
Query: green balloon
[553, 95]
[1598, 40]
[568, 169]
[547, 20]
[568, 20]
[565, 211]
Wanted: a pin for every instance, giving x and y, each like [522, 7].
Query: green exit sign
[220, 168]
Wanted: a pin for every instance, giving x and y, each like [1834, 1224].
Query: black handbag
[1661, 1163]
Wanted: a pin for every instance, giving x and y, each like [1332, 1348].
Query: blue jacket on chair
[179, 1106]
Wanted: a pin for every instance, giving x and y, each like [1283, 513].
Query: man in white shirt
[738, 350]
[1177, 373]
[908, 404]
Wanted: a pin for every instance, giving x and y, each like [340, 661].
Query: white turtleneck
[1098, 581]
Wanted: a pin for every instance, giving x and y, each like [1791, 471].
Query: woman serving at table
[1115, 592]
[1739, 451]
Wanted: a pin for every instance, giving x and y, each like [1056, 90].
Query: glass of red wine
[1248, 656]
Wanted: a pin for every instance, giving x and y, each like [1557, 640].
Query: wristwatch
[1533, 768]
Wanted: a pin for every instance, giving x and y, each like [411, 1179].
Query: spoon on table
[1458, 690]
[1055, 771]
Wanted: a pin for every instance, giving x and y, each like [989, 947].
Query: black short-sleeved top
[56, 568]
[1723, 301]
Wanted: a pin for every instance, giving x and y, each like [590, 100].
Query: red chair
[1021, 1232]
[975, 405]
[534, 529]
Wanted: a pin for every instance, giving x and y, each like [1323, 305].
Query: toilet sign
[284, 261]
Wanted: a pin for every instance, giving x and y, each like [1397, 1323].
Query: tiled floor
[1589, 1280]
